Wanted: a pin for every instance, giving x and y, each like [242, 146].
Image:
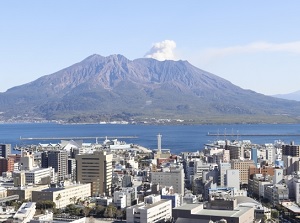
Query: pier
[78, 137]
[254, 134]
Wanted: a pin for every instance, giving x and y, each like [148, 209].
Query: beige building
[62, 196]
[96, 169]
[243, 167]
[25, 192]
[153, 209]
[171, 176]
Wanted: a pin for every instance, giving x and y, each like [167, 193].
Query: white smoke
[162, 51]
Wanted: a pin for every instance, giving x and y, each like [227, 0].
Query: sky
[253, 44]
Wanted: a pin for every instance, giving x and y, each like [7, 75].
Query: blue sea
[177, 138]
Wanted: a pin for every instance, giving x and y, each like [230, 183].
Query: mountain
[115, 88]
[291, 96]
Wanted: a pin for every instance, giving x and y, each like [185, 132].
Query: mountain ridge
[114, 87]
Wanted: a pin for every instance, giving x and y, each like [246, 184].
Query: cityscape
[149, 111]
[112, 181]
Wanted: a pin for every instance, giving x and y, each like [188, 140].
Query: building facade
[96, 169]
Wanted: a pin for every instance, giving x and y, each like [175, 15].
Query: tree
[73, 199]
[58, 199]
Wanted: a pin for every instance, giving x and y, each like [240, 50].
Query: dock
[254, 134]
[78, 137]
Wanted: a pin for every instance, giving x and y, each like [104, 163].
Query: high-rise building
[243, 166]
[96, 169]
[5, 150]
[6, 165]
[58, 159]
[291, 150]
[223, 167]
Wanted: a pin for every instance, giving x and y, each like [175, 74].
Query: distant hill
[291, 96]
[115, 88]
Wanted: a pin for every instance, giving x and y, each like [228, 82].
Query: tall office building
[5, 150]
[58, 159]
[243, 166]
[96, 169]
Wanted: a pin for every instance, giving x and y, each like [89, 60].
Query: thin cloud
[162, 50]
[291, 47]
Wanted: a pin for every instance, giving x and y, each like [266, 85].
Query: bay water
[177, 138]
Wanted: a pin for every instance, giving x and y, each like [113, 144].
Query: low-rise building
[61, 196]
[153, 209]
[25, 213]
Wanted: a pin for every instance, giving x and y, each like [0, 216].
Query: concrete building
[61, 195]
[37, 175]
[291, 164]
[216, 210]
[291, 150]
[26, 160]
[223, 167]
[125, 197]
[171, 176]
[6, 165]
[276, 194]
[233, 178]
[96, 169]
[153, 209]
[243, 166]
[25, 213]
[25, 193]
[265, 171]
[58, 159]
[5, 150]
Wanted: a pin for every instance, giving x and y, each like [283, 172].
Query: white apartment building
[172, 176]
[153, 209]
[25, 213]
[38, 175]
[223, 167]
[125, 197]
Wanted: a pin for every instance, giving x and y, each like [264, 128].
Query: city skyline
[254, 45]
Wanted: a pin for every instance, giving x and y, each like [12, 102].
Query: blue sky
[253, 44]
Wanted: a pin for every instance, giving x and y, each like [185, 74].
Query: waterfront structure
[58, 159]
[6, 165]
[25, 213]
[243, 166]
[96, 169]
[153, 209]
[61, 195]
[5, 150]
[169, 176]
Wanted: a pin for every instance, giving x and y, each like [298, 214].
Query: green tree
[73, 199]
[58, 199]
